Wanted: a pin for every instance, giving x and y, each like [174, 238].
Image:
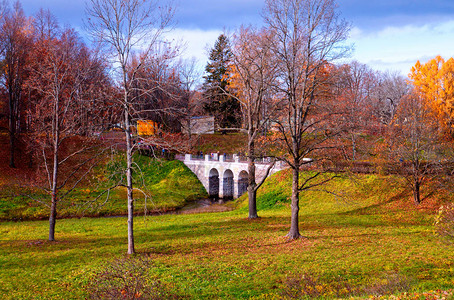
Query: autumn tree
[16, 41]
[61, 93]
[434, 81]
[124, 28]
[414, 144]
[224, 107]
[368, 100]
[354, 84]
[253, 75]
[308, 35]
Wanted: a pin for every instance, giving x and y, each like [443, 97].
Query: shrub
[126, 278]
[444, 223]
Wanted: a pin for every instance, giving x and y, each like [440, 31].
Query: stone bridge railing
[225, 158]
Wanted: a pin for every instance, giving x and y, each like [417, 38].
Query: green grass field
[169, 185]
[369, 240]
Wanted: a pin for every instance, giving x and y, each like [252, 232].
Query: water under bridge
[226, 176]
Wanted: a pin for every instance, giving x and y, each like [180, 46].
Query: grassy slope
[228, 143]
[170, 183]
[364, 239]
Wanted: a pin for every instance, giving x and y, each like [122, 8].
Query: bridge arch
[213, 183]
[228, 186]
[242, 183]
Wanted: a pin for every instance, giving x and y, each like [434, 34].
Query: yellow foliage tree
[434, 81]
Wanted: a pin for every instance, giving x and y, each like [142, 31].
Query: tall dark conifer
[225, 108]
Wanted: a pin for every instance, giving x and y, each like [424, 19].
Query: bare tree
[390, 88]
[253, 75]
[58, 81]
[308, 35]
[45, 25]
[190, 75]
[160, 93]
[124, 27]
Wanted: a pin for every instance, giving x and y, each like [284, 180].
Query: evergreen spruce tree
[225, 109]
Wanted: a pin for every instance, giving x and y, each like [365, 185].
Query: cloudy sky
[387, 34]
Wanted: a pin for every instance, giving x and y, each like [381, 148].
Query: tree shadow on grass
[377, 207]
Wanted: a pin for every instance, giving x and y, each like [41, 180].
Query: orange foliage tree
[434, 81]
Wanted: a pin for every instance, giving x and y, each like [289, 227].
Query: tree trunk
[294, 232]
[53, 207]
[53, 217]
[129, 186]
[252, 185]
[416, 193]
[12, 145]
[189, 134]
[12, 131]
[252, 197]
[54, 187]
[353, 139]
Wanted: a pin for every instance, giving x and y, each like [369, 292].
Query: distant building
[147, 127]
[200, 125]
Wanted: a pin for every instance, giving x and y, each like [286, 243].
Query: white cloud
[392, 48]
[356, 33]
[398, 48]
[196, 42]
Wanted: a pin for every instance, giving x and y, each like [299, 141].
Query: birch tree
[124, 28]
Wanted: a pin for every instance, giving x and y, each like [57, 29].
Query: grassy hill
[353, 194]
[170, 184]
[362, 240]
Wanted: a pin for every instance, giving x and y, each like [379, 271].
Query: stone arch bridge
[226, 176]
